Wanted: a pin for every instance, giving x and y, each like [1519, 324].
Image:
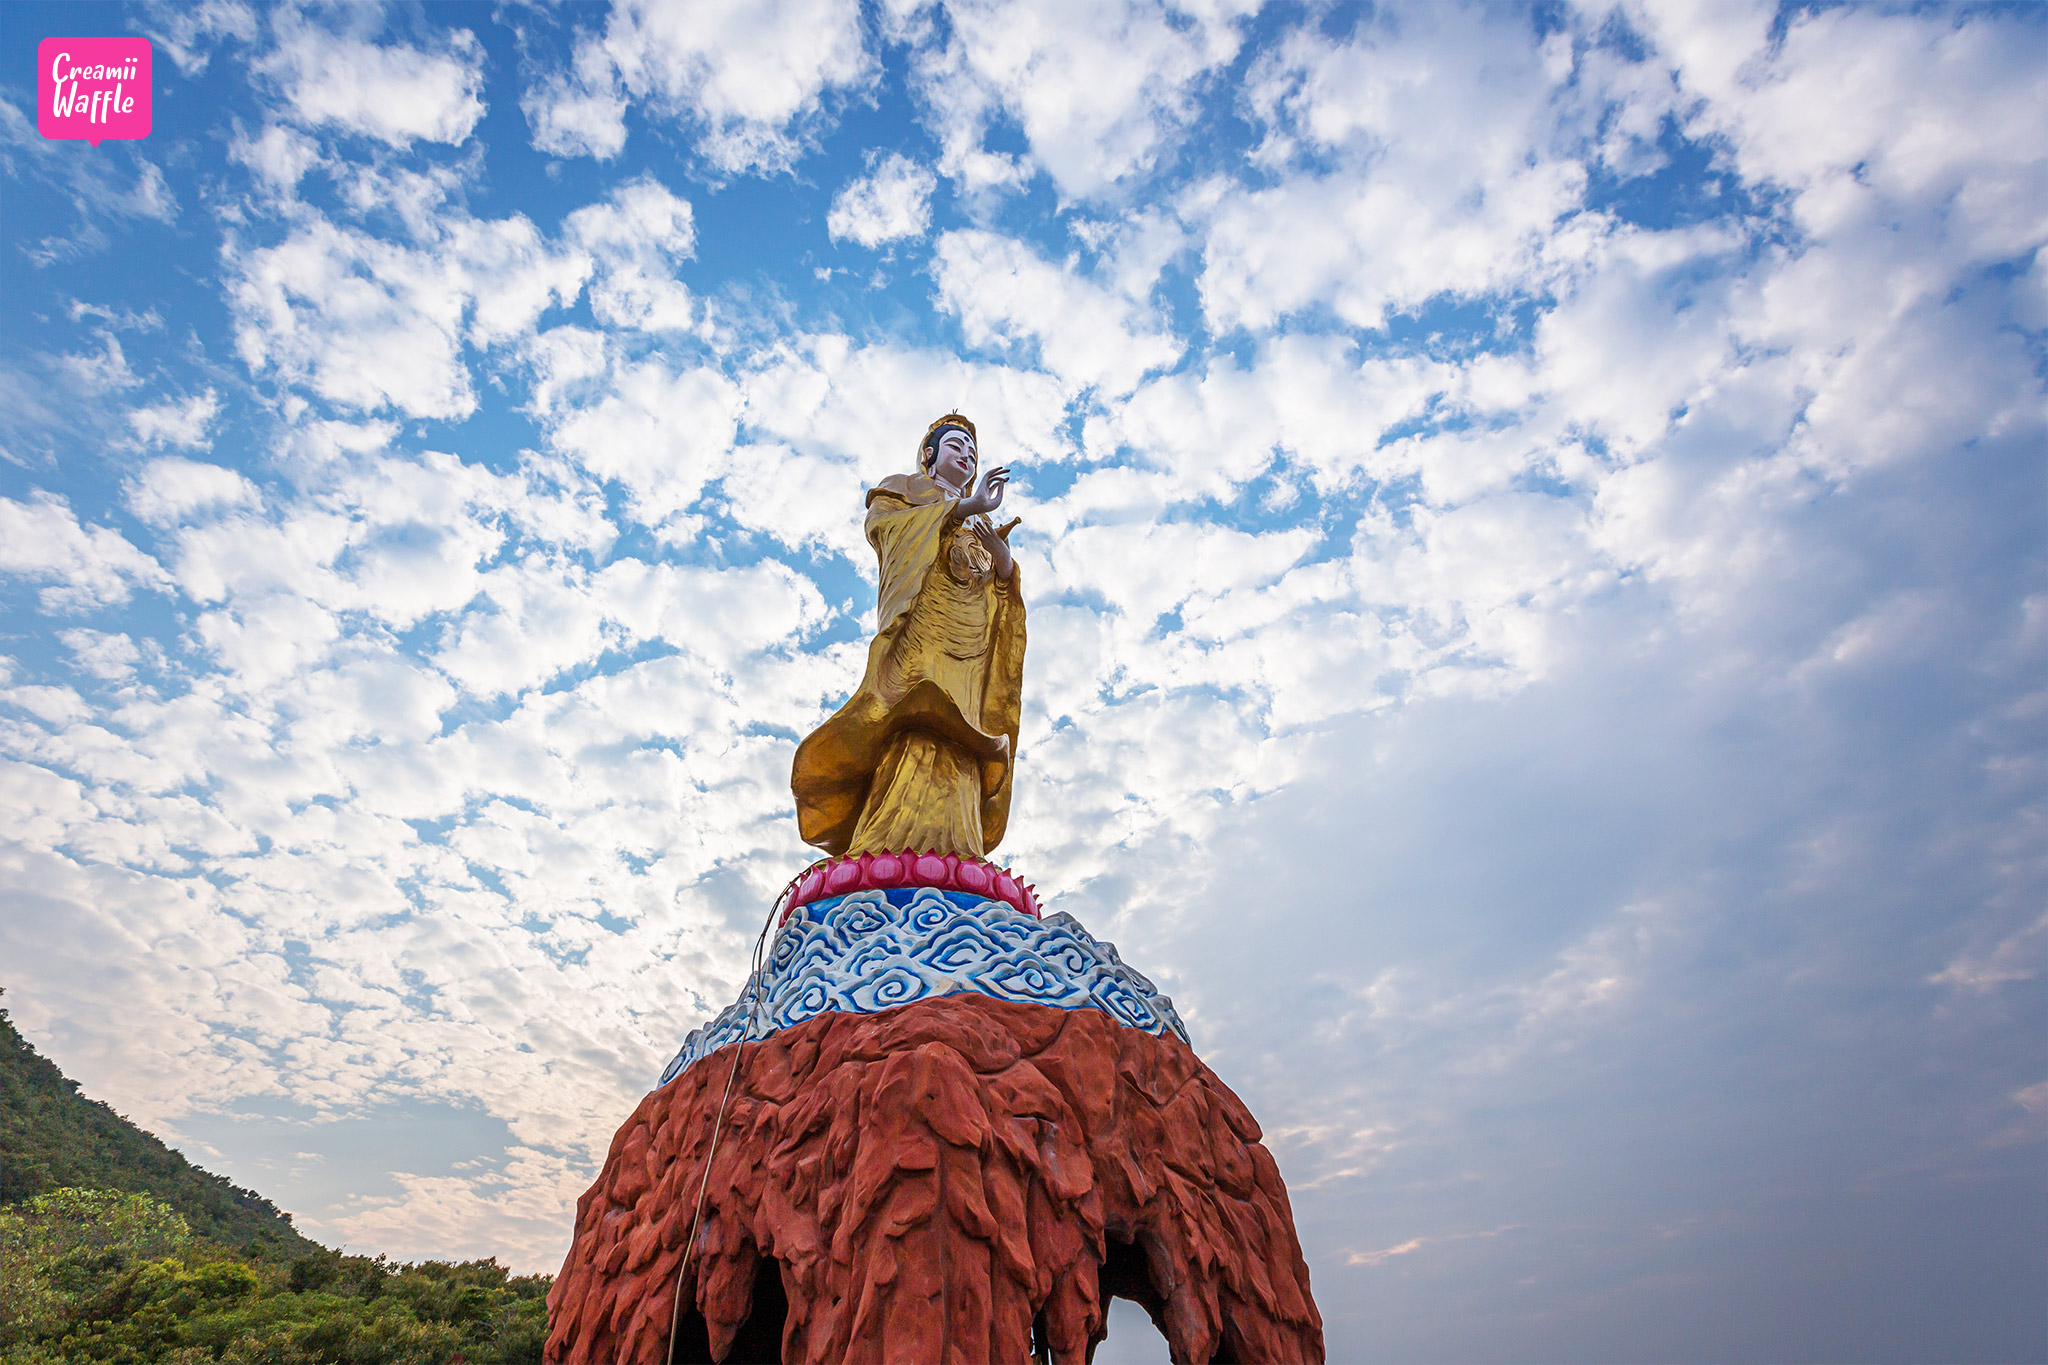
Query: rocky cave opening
[1126, 1273]
[759, 1339]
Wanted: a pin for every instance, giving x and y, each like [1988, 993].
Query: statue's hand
[998, 548]
[989, 496]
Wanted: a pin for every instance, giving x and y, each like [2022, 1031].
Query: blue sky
[1533, 530]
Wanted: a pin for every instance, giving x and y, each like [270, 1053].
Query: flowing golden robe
[920, 756]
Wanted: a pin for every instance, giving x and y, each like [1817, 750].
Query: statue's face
[953, 461]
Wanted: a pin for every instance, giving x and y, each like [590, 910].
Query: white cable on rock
[757, 987]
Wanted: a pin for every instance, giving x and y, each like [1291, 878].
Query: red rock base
[955, 1181]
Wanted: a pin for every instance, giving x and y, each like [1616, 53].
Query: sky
[1533, 531]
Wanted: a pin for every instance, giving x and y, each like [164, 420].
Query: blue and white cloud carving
[1534, 536]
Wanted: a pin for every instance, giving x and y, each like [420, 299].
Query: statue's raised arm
[920, 756]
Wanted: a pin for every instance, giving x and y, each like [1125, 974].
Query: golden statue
[920, 756]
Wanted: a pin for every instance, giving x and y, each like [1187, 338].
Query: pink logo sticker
[93, 88]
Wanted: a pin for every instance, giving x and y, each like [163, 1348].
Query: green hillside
[52, 1137]
[115, 1249]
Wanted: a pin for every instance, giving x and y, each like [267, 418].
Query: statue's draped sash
[937, 692]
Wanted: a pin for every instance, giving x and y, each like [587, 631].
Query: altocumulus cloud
[1534, 535]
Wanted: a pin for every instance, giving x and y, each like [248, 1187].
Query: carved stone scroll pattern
[874, 950]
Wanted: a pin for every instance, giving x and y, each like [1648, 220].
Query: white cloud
[371, 324]
[111, 657]
[512, 276]
[170, 490]
[104, 197]
[663, 435]
[86, 566]
[1822, 113]
[1312, 398]
[1101, 91]
[104, 373]
[174, 423]
[890, 203]
[279, 156]
[152, 197]
[1088, 335]
[186, 31]
[671, 436]
[1445, 179]
[471, 1214]
[747, 79]
[565, 362]
[581, 112]
[54, 706]
[117, 319]
[825, 394]
[636, 237]
[393, 93]
[361, 322]
[2021, 954]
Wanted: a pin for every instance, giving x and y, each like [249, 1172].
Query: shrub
[100, 1276]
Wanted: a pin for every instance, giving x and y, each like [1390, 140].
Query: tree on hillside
[98, 1275]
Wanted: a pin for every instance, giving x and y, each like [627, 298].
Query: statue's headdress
[937, 429]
